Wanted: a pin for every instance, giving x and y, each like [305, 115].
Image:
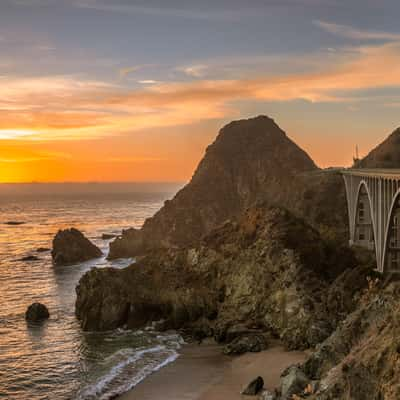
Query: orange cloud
[63, 107]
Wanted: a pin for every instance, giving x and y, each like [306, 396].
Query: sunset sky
[134, 90]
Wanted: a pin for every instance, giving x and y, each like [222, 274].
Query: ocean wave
[133, 366]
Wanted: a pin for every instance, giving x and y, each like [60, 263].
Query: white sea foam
[57, 358]
[118, 379]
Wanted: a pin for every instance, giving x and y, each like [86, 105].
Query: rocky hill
[385, 155]
[250, 161]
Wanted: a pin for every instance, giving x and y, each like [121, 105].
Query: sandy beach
[203, 373]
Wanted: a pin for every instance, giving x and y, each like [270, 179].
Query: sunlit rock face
[386, 155]
[267, 271]
[250, 161]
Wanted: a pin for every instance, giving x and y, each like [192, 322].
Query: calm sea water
[56, 360]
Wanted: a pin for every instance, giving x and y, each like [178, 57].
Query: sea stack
[70, 246]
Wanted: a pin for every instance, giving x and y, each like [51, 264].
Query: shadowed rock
[71, 246]
[37, 312]
[254, 387]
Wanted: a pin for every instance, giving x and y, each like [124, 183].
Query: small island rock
[71, 246]
[37, 312]
[30, 258]
[42, 249]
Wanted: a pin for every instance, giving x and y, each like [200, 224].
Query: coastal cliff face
[226, 263]
[360, 360]
[267, 270]
[250, 161]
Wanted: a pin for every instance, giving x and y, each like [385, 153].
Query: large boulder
[246, 344]
[37, 312]
[70, 246]
[293, 382]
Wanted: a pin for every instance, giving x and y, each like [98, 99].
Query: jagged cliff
[250, 161]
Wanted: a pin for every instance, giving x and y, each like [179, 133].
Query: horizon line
[90, 182]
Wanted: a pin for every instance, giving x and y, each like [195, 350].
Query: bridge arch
[391, 248]
[364, 218]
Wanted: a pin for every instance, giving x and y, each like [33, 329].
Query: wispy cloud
[194, 71]
[356, 34]
[133, 159]
[167, 11]
[43, 156]
[147, 82]
[123, 72]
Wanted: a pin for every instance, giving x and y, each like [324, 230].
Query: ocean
[56, 359]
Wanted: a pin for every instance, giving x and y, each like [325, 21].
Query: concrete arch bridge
[373, 200]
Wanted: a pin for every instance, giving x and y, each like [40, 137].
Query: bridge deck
[376, 172]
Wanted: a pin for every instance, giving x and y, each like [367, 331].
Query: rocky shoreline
[251, 250]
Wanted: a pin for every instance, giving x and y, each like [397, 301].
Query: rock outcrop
[267, 271]
[70, 246]
[251, 161]
[252, 343]
[37, 312]
[360, 360]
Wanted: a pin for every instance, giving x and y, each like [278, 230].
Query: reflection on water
[56, 359]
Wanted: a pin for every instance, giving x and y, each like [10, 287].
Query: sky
[118, 90]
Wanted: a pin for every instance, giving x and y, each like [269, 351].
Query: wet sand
[203, 373]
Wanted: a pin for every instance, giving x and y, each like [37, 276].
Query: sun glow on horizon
[16, 133]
